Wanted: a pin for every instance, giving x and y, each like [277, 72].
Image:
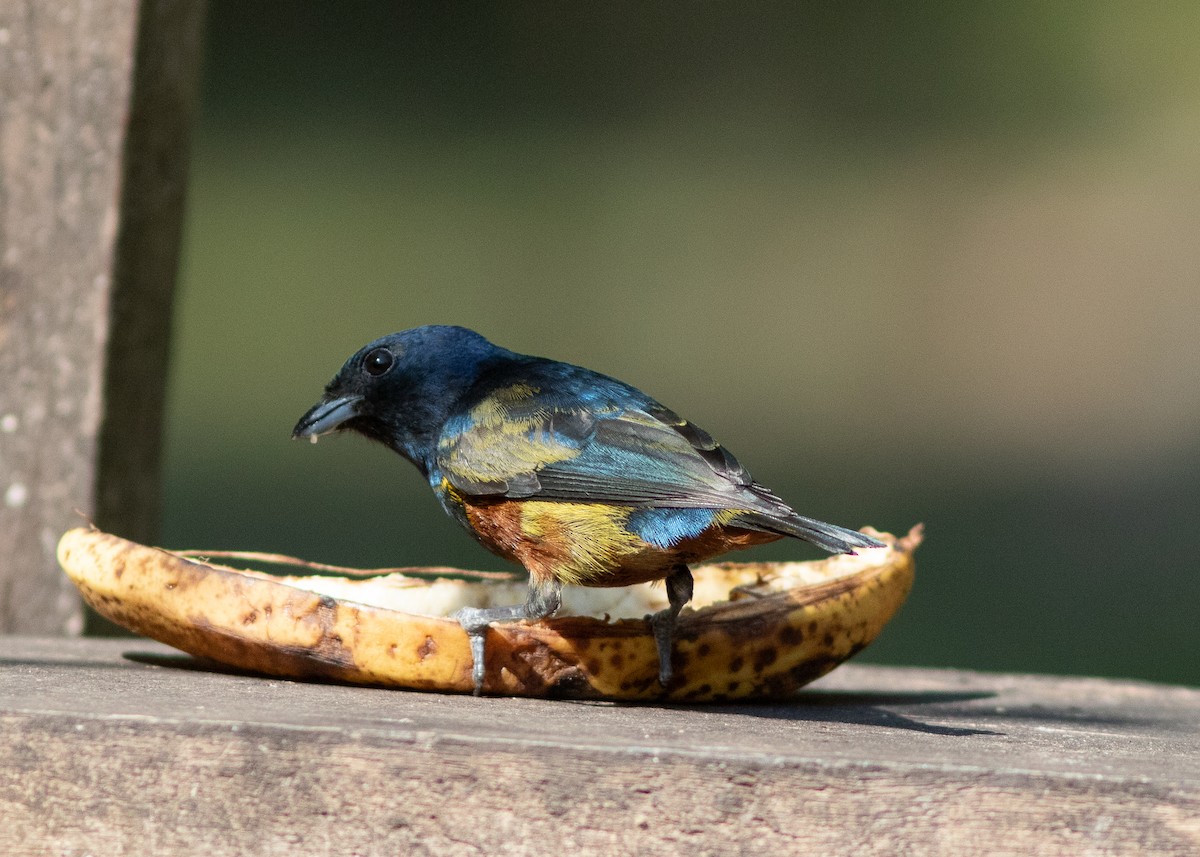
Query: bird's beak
[326, 416]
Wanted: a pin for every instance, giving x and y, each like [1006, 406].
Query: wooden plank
[113, 747]
[95, 100]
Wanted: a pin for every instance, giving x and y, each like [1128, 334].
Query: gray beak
[326, 416]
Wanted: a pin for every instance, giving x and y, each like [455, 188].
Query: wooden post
[95, 104]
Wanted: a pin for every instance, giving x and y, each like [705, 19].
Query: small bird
[580, 478]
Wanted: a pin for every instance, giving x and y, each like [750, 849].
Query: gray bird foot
[662, 623]
[475, 622]
[544, 600]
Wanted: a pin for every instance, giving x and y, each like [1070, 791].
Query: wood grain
[122, 747]
[95, 101]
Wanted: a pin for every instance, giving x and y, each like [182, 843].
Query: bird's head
[400, 389]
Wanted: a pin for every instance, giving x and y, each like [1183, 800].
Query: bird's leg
[679, 592]
[545, 597]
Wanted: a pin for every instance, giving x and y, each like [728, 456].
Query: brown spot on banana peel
[776, 636]
[427, 648]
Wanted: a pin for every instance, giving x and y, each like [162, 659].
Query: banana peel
[753, 631]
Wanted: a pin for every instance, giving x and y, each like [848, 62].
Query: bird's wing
[609, 444]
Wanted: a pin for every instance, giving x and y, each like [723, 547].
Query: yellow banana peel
[753, 631]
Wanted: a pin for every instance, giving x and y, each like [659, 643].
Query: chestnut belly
[595, 544]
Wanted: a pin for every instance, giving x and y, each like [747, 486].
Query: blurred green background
[910, 261]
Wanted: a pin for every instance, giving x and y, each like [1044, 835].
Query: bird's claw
[663, 626]
[662, 623]
[476, 626]
[477, 663]
[544, 599]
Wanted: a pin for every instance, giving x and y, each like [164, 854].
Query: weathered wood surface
[95, 102]
[122, 747]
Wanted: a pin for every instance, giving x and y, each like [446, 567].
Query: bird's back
[539, 431]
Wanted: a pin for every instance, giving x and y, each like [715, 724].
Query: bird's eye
[378, 361]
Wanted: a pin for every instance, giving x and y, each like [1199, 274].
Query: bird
[580, 478]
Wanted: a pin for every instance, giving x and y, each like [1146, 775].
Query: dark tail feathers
[830, 537]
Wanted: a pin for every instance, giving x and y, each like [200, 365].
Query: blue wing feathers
[554, 431]
[665, 528]
[598, 439]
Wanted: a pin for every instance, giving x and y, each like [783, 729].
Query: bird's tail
[829, 537]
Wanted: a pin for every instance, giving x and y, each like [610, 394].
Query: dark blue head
[400, 389]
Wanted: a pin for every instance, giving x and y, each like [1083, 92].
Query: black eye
[378, 361]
